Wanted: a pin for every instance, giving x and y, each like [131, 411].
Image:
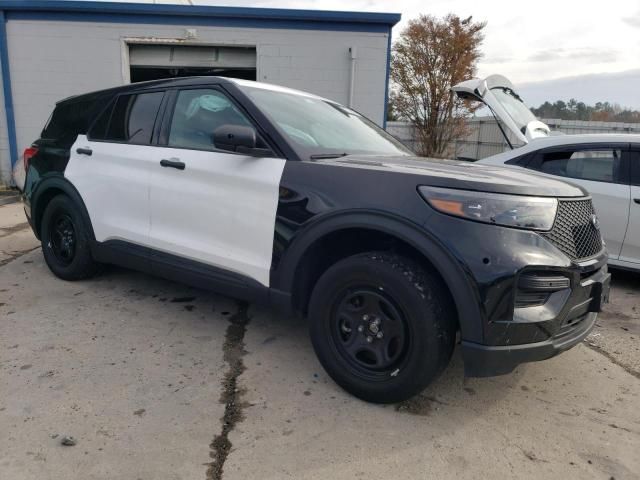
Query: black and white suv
[279, 196]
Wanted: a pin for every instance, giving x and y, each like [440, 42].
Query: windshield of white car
[318, 128]
[514, 106]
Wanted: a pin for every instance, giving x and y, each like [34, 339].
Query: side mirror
[235, 138]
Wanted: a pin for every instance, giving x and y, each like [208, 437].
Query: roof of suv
[184, 82]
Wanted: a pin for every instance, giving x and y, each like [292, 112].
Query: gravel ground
[155, 380]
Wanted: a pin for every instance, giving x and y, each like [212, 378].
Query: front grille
[574, 232]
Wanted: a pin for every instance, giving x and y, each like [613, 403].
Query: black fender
[466, 297]
[42, 193]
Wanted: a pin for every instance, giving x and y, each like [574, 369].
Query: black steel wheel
[66, 241]
[382, 325]
[62, 237]
[370, 331]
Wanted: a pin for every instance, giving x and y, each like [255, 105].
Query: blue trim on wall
[112, 8]
[386, 85]
[235, 22]
[6, 90]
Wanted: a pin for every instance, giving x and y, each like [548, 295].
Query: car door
[631, 247]
[208, 204]
[603, 171]
[111, 167]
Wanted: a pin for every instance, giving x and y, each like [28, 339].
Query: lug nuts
[379, 335]
[361, 329]
[365, 317]
[369, 339]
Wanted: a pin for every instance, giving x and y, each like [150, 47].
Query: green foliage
[574, 110]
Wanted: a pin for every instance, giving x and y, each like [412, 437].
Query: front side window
[596, 165]
[317, 127]
[196, 116]
[133, 117]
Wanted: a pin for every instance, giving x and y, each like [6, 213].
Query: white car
[606, 165]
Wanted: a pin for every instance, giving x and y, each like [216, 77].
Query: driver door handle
[637, 200]
[84, 151]
[172, 163]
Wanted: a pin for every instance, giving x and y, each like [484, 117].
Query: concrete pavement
[156, 380]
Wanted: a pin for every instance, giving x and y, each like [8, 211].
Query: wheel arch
[49, 188]
[293, 270]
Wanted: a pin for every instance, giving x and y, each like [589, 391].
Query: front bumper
[590, 290]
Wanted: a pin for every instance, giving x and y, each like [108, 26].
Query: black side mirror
[240, 139]
[235, 138]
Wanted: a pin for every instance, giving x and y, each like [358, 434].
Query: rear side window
[132, 118]
[595, 165]
[99, 128]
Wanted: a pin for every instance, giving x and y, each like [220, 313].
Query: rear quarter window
[72, 118]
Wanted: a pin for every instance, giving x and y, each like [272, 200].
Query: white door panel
[611, 202]
[631, 248]
[219, 210]
[114, 185]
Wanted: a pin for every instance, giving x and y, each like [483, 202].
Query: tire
[65, 241]
[367, 295]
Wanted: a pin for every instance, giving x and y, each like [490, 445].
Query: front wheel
[383, 326]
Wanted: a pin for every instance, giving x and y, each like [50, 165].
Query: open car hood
[498, 93]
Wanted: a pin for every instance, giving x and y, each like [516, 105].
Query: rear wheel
[382, 326]
[65, 241]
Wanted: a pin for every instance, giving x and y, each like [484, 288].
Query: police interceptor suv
[278, 196]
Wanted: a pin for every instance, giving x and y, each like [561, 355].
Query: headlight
[534, 213]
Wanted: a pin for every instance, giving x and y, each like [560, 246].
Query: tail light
[28, 155]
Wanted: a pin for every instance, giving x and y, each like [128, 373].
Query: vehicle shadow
[280, 342]
[625, 278]
[296, 357]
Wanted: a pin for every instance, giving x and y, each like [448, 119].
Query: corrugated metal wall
[485, 139]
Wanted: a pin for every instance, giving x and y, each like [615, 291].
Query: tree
[430, 56]
[575, 110]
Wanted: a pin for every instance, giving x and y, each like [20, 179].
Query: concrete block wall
[54, 59]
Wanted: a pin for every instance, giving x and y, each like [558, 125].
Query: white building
[54, 49]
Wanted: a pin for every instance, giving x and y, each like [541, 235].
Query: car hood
[464, 175]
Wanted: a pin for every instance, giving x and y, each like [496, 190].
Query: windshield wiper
[323, 156]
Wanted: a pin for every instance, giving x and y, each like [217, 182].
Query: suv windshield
[514, 106]
[318, 128]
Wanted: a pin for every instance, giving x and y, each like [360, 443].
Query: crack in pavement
[15, 255]
[234, 351]
[6, 231]
[612, 359]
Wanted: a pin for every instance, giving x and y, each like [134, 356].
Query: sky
[550, 49]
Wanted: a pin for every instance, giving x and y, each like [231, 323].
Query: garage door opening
[152, 62]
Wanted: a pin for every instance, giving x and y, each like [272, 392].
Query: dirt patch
[231, 395]
[182, 299]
